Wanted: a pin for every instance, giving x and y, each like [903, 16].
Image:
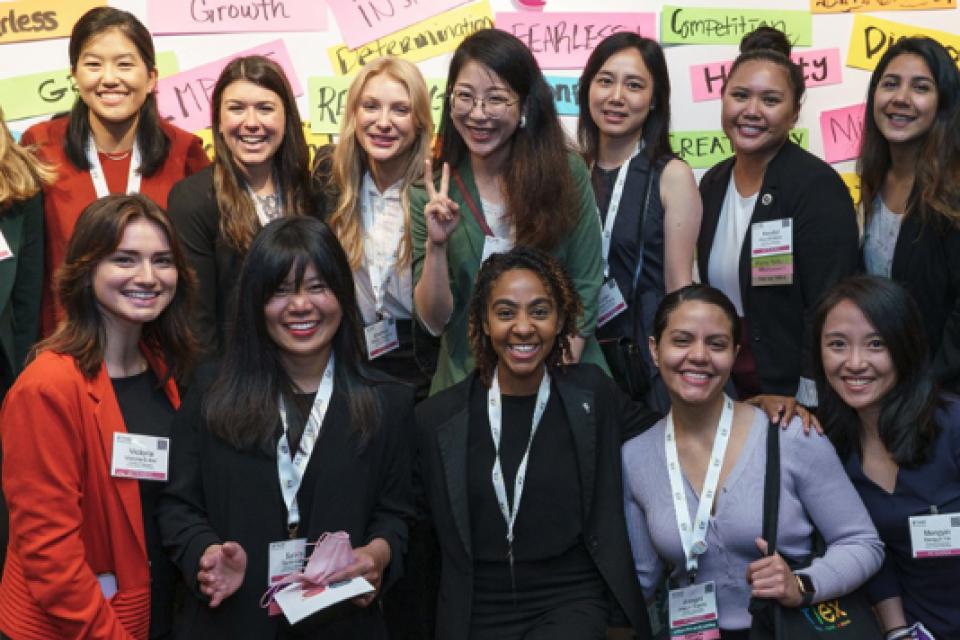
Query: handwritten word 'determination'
[425, 39]
[213, 16]
[679, 25]
[362, 21]
[842, 6]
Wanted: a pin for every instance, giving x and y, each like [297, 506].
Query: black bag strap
[771, 507]
[633, 306]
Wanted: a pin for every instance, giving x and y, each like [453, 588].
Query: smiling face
[695, 352]
[252, 123]
[385, 123]
[856, 361]
[522, 323]
[135, 283]
[484, 136]
[112, 79]
[303, 321]
[905, 100]
[621, 95]
[757, 110]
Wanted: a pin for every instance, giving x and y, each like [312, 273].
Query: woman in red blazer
[113, 129]
[82, 429]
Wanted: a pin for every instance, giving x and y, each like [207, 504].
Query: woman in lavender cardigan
[694, 345]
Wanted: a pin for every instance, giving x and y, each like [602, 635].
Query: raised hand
[221, 571]
[442, 214]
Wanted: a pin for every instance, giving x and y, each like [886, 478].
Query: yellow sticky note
[314, 141]
[871, 37]
[844, 6]
[425, 39]
[41, 19]
[852, 181]
[328, 100]
[40, 94]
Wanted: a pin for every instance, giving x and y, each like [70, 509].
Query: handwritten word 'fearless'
[36, 21]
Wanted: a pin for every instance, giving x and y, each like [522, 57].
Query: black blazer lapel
[581, 412]
[452, 444]
[713, 191]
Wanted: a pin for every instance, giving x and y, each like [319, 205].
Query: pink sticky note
[564, 40]
[841, 130]
[184, 98]
[820, 67]
[222, 16]
[363, 21]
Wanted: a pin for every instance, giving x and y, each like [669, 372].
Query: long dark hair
[558, 284]
[936, 187]
[656, 128]
[238, 215]
[97, 234]
[537, 183]
[906, 424]
[153, 142]
[242, 404]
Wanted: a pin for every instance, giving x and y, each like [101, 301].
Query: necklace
[116, 156]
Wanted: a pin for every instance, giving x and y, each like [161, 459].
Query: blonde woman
[384, 138]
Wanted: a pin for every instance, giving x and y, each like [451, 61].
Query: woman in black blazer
[261, 171]
[773, 201]
[563, 569]
[291, 389]
[908, 168]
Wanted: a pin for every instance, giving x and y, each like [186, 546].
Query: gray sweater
[815, 492]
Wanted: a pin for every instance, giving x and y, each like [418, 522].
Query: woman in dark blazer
[570, 574]
[801, 203]
[911, 197]
[261, 171]
[291, 382]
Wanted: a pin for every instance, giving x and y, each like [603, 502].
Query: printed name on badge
[771, 252]
[140, 457]
[935, 536]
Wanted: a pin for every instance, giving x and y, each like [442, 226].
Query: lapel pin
[766, 199]
[586, 407]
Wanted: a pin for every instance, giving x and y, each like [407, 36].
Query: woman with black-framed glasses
[508, 178]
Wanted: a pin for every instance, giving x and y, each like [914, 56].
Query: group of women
[325, 301]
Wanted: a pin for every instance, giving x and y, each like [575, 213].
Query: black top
[146, 410]
[297, 420]
[550, 519]
[624, 251]
[928, 586]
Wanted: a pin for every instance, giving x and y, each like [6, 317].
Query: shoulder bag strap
[633, 307]
[771, 506]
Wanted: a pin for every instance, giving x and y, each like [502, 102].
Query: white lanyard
[291, 471]
[495, 415]
[382, 249]
[693, 538]
[613, 208]
[96, 170]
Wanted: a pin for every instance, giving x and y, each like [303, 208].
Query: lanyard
[386, 232]
[291, 471]
[693, 537]
[613, 208]
[474, 209]
[495, 415]
[96, 170]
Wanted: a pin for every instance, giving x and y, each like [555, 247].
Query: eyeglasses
[463, 102]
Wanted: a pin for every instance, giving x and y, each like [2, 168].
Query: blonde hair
[349, 161]
[22, 174]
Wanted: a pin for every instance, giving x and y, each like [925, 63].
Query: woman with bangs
[508, 178]
[113, 141]
[260, 172]
[290, 437]
[84, 559]
[909, 170]
[385, 136]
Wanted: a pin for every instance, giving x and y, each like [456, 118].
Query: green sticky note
[40, 94]
[328, 99]
[697, 25]
[703, 149]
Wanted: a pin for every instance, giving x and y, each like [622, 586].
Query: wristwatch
[807, 591]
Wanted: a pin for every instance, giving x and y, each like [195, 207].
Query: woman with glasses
[507, 179]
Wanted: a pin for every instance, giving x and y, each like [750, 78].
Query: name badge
[5, 252]
[140, 457]
[771, 252]
[935, 536]
[610, 302]
[693, 613]
[285, 557]
[492, 245]
[381, 337]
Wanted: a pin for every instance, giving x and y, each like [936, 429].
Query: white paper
[297, 603]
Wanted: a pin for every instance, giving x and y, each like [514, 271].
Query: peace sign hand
[442, 214]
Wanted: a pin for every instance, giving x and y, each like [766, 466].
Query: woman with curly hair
[521, 467]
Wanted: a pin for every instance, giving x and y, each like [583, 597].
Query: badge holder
[381, 337]
[771, 253]
[140, 457]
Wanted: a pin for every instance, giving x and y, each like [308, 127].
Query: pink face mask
[331, 553]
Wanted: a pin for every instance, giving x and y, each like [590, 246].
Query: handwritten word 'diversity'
[679, 25]
[226, 16]
[820, 67]
[34, 20]
[565, 40]
[425, 39]
[870, 37]
[842, 6]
